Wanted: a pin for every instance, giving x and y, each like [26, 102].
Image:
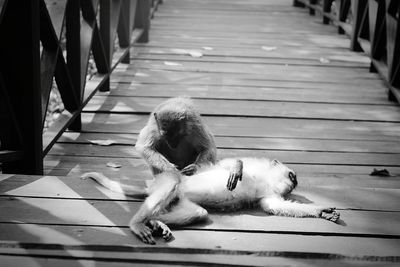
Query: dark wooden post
[343, 11]
[311, 9]
[358, 7]
[327, 4]
[126, 25]
[297, 3]
[20, 68]
[142, 19]
[73, 29]
[393, 42]
[105, 33]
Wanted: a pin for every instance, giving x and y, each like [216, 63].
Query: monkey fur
[175, 138]
[265, 182]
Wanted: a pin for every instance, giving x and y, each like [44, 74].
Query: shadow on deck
[270, 82]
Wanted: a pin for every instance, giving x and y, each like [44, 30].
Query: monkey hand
[190, 169]
[161, 229]
[330, 214]
[143, 232]
[235, 175]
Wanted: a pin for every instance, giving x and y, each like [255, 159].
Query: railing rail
[34, 50]
[373, 27]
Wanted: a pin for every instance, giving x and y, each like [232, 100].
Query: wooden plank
[256, 71]
[332, 94]
[237, 126]
[274, 143]
[24, 260]
[254, 108]
[80, 235]
[308, 157]
[209, 79]
[165, 76]
[261, 59]
[118, 213]
[219, 246]
[258, 54]
[383, 199]
[137, 170]
[204, 40]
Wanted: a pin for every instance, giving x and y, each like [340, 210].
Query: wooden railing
[42, 40]
[374, 28]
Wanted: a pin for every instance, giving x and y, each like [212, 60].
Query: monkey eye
[275, 162]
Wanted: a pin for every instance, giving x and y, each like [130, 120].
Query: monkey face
[173, 132]
[171, 127]
[282, 179]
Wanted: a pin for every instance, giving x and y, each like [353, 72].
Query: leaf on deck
[107, 142]
[269, 48]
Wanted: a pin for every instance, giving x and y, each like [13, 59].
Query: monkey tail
[128, 190]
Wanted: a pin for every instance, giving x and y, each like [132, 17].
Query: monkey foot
[161, 229]
[330, 214]
[143, 232]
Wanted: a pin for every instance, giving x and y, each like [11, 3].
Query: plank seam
[190, 251]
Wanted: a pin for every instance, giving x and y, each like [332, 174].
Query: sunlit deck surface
[271, 82]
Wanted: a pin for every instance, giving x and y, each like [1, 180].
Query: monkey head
[282, 180]
[171, 127]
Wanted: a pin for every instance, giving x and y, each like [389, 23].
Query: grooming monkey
[175, 138]
[265, 182]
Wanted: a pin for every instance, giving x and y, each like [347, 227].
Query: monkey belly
[209, 189]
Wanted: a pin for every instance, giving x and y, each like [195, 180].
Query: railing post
[312, 10]
[297, 3]
[126, 24]
[343, 11]
[327, 4]
[358, 7]
[105, 33]
[142, 19]
[73, 29]
[20, 68]
[393, 42]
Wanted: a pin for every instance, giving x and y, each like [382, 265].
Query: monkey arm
[204, 142]
[279, 206]
[235, 174]
[207, 156]
[157, 161]
[235, 168]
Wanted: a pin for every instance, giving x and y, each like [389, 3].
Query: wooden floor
[271, 82]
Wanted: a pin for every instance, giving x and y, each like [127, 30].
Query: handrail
[34, 35]
[373, 27]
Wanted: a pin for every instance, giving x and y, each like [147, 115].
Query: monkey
[266, 183]
[175, 138]
[175, 141]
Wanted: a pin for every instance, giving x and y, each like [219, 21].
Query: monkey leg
[163, 190]
[183, 213]
[279, 206]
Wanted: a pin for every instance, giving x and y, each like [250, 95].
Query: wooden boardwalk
[271, 82]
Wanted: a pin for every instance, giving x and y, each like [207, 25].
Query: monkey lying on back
[265, 182]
